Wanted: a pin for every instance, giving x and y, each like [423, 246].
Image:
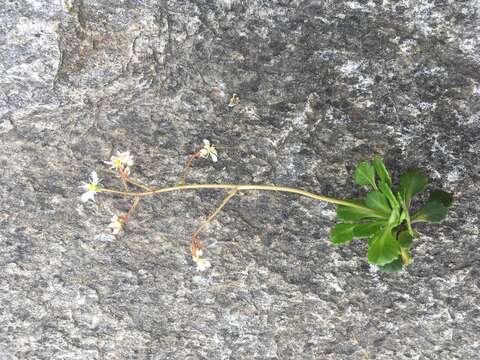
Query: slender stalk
[125, 186]
[215, 213]
[130, 180]
[407, 215]
[187, 168]
[138, 184]
[406, 258]
[132, 208]
[284, 189]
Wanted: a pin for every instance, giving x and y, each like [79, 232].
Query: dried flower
[233, 101]
[116, 225]
[91, 188]
[197, 252]
[208, 150]
[121, 162]
[203, 264]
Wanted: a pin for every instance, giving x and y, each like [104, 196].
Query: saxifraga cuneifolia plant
[383, 216]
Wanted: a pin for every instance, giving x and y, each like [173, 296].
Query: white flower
[203, 264]
[208, 150]
[90, 187]
[121, 162]
[116, 225]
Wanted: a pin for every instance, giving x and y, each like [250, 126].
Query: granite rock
[322, 85]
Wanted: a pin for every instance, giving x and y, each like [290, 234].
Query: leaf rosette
[384, 217]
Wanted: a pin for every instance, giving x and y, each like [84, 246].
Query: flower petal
[94, 177]
[84, 186]
[203, 152]
[87, 196]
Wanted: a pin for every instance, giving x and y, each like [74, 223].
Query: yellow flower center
[117, 163]
[92, 187]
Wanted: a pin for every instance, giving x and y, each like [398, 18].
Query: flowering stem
[285, 189]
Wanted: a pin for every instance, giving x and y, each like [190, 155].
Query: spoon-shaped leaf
[411, 183]
[365, 230]
[341, 233]
[436, 208]
[384, 248]
[376, 200]
[365, 175]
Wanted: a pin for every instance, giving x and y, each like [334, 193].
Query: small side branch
[131, 210]
[124, 178]
[132, 181]
[133, 207]
[139, 184]
[196, 243]
[183, 177]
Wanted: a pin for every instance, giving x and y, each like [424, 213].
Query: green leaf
[381, 170]
[341, 233]
[436, 208]
[365, 175]
[376, 200]
[405, 239]
[394, 218]
[367, 229]
[433, 211]
[411, 183]
[384, 248]
[347, 213]
[387, 191]
[394, 266]
[442, 196]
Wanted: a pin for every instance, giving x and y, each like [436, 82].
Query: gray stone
[322, 85]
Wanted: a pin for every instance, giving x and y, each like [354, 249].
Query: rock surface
[322, 85]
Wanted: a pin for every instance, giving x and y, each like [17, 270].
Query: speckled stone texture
[322, 85]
